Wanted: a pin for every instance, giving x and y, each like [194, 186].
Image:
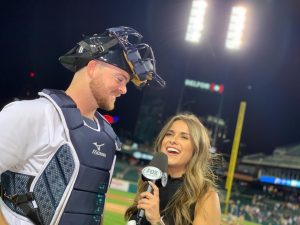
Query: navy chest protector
[38, 197]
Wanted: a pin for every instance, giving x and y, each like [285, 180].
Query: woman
[190, 196]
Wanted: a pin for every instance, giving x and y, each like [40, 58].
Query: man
[57, 151]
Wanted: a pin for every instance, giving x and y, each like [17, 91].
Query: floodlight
[196, 21]
[236, 27]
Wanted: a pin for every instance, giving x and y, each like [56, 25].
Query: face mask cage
[137, 59]
[139, 56]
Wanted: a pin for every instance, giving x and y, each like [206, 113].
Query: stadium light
[196, 21]
[236, 27]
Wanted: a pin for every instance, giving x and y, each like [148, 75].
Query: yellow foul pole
[234, 152]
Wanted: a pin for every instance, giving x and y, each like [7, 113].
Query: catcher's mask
[119, 46]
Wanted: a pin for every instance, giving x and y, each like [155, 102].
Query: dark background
[264, 73]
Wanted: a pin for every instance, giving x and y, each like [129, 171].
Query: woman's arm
[208, 211]
[2, 220]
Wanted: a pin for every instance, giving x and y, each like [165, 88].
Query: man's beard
[102, 104]
[101, 100]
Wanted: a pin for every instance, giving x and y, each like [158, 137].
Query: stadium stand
[252, 199]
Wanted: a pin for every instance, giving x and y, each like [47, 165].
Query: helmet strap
[100, 49]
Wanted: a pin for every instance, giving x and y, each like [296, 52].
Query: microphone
[155, 172]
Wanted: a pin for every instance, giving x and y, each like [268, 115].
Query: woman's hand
[150, 203]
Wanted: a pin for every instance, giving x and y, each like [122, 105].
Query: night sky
[265, 73]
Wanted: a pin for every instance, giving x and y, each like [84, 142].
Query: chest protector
[71, 189]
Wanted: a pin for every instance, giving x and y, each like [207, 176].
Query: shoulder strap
[72, 114]
[68, 106]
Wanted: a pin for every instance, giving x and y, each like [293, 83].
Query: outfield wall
[123, 185]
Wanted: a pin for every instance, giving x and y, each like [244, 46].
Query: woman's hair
[198, 178]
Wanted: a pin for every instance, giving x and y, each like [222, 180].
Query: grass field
[114, 216]
[118, 201]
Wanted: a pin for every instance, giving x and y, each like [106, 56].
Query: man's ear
[90, 67]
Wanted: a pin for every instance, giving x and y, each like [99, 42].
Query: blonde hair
[198, 178]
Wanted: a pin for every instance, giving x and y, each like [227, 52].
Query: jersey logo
[97, 151]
